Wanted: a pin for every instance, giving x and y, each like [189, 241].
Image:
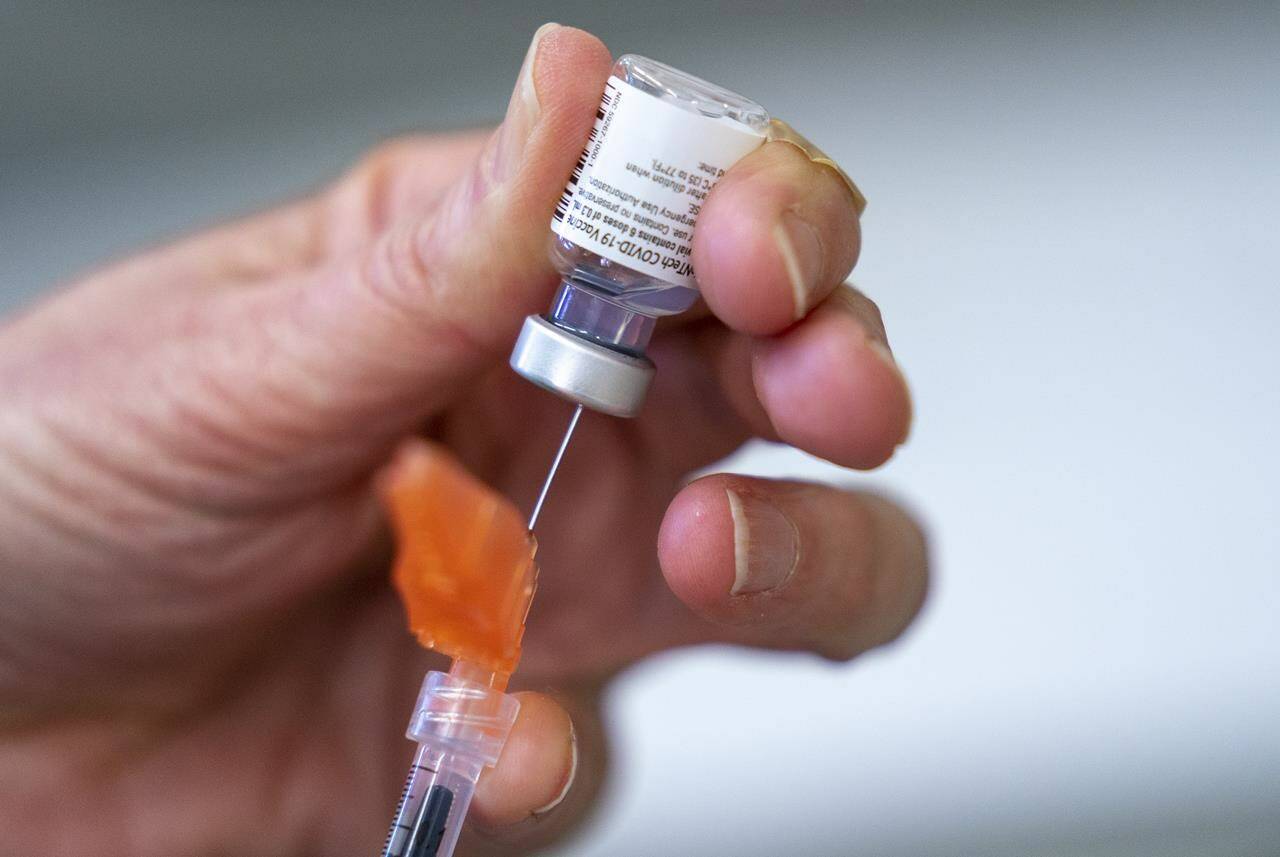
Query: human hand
[199, 651]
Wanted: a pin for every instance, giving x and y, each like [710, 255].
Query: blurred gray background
[1072, 231]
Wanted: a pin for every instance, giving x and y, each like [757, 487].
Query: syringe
[466, 574]
[460, 723]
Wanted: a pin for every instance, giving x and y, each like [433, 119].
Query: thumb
[436, 294]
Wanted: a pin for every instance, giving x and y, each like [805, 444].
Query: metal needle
[555, 465]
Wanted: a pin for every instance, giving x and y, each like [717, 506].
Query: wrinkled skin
[199, 651]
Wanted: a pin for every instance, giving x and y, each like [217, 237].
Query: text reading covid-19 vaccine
[622, 232]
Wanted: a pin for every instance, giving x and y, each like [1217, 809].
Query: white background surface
[1073, 234]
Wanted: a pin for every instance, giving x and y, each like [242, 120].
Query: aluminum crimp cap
[579, 370]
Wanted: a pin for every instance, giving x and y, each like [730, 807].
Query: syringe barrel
[436, 796]
[460, 727]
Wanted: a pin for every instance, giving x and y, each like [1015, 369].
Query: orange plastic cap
[464, 564]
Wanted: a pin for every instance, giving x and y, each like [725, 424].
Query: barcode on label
[607, 101]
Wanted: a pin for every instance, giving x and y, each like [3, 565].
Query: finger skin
[548, 778]
[857, 574]
[777, 234]
[435, 293]
[401, 179]
[831, 387]
[536, 769]
[478, 261]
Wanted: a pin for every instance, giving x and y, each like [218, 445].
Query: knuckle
[394, 272]
[398, 273]
[369, 188]
[363, 203]
[390, 157]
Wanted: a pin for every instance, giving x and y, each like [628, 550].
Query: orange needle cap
[464, 564]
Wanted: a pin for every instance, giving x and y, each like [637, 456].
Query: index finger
[777, 235]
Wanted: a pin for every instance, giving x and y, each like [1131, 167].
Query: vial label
[635, 194]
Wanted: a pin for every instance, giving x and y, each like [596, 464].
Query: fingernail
[801, 253]
[568, 780]
[781, 131]
[879, 349]
[522, 110]
[766, 545]
[524, 100]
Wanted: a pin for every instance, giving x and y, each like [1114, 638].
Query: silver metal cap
[579, 370]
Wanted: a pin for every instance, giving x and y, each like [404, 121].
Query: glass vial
[622, 232]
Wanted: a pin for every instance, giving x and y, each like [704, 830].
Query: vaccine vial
[622, 232]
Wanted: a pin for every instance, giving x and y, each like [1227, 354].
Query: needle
[555, 465]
